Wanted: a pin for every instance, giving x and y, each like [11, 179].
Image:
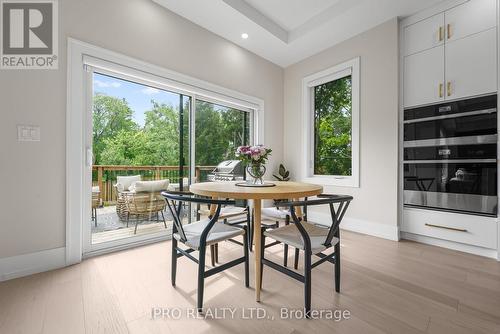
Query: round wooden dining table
[281, 190]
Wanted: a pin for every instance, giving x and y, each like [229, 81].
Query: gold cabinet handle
[441, 34]
[448, 88]
[440, 90]
[447, 227]
[448, 30]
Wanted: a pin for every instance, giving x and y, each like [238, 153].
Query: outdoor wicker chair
[145, 205]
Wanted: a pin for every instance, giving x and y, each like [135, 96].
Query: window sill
[337, 181]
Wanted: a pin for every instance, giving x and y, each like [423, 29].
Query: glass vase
[256, 172]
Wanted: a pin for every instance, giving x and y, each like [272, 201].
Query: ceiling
[287, 31]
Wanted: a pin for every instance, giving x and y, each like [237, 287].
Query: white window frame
[81, 56]
[351, 67]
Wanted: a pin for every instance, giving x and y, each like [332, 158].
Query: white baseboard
[360, 226]
[32, 263]
[491, 253]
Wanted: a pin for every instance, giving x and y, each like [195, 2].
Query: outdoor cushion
[274, 212]
[290, 235]
[218, 233]
[125, 182]
[150, 186]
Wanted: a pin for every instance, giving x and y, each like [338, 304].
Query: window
[331, 112]
[219, 130]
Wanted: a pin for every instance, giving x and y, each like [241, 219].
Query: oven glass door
[447, 152]
[476, 125]
[458, 186]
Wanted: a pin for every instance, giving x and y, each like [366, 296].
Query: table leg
[213, 207]
[298, 209]
[214, 253]
[256, 237]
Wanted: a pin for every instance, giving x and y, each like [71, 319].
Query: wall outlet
[28, 133]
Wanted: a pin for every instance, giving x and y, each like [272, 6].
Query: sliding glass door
[144, 138]
[219, 130]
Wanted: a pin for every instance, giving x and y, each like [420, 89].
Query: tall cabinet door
[471, 65]
[424, 77]
[424, 34]
[470, 18]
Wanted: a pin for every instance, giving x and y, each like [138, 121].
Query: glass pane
[456, 178]
[219, 131]
[477, 125]
[139, 133]
[333, 128]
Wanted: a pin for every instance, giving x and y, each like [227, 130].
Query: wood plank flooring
[387, 287]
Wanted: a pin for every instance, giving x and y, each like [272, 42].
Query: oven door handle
[456, 115]
[452, 141]
[451, 161]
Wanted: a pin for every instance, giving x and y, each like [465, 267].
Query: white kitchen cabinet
[424, 35]
[471, 65]
[424, 77]
[460, 64]
[465, 229]
[470, 18]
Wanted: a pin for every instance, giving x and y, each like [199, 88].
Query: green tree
[236, 128]
[110, 116]
[162, 131]
[125, 148]
[333, 120]
[219, 131]
[118, 140]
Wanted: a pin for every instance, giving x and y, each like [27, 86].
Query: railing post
[99, 180]
[157, 173]
[197, 174]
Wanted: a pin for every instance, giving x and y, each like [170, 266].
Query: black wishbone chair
[313, 239]
[198, 235]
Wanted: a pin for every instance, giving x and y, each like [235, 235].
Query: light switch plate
[28, 133]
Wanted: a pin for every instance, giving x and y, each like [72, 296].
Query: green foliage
[332, 135]
[283, 174]
[118, 140]
[218, 133]
[110, 116]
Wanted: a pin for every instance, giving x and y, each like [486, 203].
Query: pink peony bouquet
[253, 155]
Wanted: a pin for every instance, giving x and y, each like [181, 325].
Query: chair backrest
[278, 205]
[96, 199]
[150, 186]
[175, 201]
[336, 214]
[123, 183]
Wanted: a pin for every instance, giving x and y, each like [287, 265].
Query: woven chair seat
[218, 233]
[290, 235]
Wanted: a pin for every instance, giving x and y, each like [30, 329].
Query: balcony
[107, 225]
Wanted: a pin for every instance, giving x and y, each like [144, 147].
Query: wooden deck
[127, 232]
[388, 287]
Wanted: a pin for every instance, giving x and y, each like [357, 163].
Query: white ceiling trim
[314, 33]
[253, 14]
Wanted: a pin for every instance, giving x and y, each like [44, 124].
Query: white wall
[374, 209]
[32, 200]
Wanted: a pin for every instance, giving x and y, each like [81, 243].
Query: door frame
[78, 153]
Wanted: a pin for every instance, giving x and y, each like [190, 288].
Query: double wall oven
[450, 156]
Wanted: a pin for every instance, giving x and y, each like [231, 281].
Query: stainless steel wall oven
[450, 156]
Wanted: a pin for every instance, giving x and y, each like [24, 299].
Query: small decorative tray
[265, 184]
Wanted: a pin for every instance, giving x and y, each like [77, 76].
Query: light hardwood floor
[388, 287]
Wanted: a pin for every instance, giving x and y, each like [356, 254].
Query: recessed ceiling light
[244, 35]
